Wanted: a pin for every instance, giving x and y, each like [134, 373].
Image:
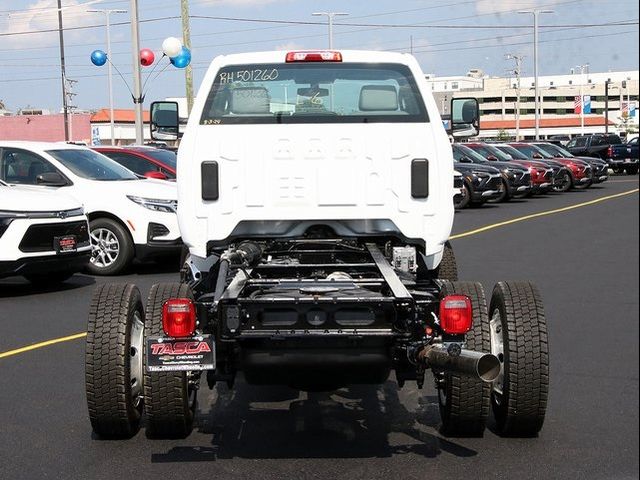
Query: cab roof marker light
[314, 56]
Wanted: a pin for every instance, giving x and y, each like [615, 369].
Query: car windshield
[532, 150]
[166, 157]
[488, 151]
[92, 165]
[461, 151]
[555, 150]
[314, 93]
[513, 153]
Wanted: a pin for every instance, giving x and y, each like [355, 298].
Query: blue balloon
[183, 59]
[98, 58]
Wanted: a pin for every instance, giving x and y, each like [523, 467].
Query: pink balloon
[147, 57]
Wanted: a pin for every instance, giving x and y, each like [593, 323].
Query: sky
[449, 37]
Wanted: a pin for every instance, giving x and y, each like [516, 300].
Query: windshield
[555, 150]
[166, 157]
[92, 165]
[488, 151]
[461, 151]
[513, 153]
[314, 93]
[532, 150]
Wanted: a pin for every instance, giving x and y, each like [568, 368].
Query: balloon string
[151, 73]
[157, 75]
[123, 79]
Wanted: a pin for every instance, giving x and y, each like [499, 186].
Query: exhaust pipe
[484, 366]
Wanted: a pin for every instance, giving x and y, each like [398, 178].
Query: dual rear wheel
[118, 388]
[514, 329]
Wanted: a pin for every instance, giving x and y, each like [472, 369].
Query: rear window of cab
[314, 93]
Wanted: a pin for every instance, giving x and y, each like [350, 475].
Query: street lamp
[536, 16]
[330, 16]
[107, 13]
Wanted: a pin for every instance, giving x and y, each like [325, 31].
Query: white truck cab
[316, 197]
[278, 141]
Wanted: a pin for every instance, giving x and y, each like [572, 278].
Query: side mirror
[537, 156]
[465, 117]
[466, 160]
[51, 179]
[492, 158]
[165, 121]
[156, 175]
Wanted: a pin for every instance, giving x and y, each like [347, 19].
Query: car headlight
[157, 205]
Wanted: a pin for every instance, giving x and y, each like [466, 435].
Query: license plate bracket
[66, 244]
[180, 354]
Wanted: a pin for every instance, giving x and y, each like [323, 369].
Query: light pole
[536, 17]
[137, 72]
[107, 13]
[330, 16]
[63, 74]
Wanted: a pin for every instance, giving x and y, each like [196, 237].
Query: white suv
[129, 217]
[44, 236]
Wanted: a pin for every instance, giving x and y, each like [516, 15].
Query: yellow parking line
[35, 346]
[541, 214]
[78, 336]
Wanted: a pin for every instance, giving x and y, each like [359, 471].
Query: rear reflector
[179, 317]
[323, 56]
[456, 314]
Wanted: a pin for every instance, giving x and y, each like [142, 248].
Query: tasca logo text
[180, 348]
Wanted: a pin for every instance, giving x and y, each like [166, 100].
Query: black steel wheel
[519, 339]
[114, 368]
[464, 401]
[170, 397]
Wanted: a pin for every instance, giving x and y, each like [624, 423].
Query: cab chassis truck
[316, 200]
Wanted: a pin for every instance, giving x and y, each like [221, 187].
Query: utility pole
[63, 73]
[137, 73]
[330, 16]
[606, 105]
[107, 13]
[518, 73]
[536, 20]
[186, 40]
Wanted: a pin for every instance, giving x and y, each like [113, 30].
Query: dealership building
[559, 101]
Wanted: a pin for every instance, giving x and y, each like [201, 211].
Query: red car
[541, 175]
[581, 172]
[148, 162]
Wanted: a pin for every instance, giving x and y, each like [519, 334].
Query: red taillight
[456, 314]
[179, 317]
[323, 56]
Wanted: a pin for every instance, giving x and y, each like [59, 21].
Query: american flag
[577, 105]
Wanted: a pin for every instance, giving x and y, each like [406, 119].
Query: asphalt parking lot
[585, 261]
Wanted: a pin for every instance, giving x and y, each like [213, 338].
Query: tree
[626, 124]
[503, 135]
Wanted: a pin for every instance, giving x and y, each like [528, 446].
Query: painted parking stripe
[542, 214]
[47, 343]
[78, 336]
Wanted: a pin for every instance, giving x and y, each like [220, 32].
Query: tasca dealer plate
[180, 355]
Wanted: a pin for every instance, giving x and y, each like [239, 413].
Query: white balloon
[172, 47]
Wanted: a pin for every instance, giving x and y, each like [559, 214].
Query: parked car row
[64, 208]
[497, 172]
